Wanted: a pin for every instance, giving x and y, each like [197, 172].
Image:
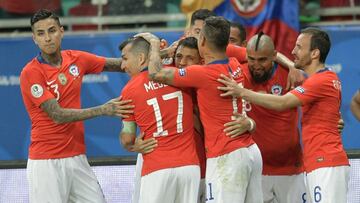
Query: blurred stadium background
[98, 26]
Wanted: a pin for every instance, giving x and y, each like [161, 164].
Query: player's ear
[142, 58]
[274, 55]
[33, 37]
[315, 54]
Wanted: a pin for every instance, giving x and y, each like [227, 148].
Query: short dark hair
[44, 14]
[189, 42]
[319, 40]
[139, 45]
[201, 14]
[242, 31]
[217, 31]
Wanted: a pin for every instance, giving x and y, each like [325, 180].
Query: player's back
[215, 111]
[166, 113]
[276, 133]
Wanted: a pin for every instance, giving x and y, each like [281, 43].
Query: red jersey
[276, 133]
[320, 96]
[237, 52]
[40, 82]
[166, 113]
[215, 111]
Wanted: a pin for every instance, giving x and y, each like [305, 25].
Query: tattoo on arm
[156, 72]
[61, 115]
[113, 65]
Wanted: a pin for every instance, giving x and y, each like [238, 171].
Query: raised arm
[295, 77]
[269, 101]
[114, 107]
[156, 71]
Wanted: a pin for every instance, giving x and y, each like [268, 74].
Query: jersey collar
[224, 61]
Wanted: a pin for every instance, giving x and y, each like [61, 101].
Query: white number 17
[159, 124]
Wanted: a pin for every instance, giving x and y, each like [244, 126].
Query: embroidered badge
[36, 90]
[74, 70]
[276, 90]
[62, 79]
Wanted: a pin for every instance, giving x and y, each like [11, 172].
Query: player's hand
[151, 38]
[231, 88]
[238, 126]
[118, 107]
[341, 125]
[144, 146]
[170, 51]
[295, 78]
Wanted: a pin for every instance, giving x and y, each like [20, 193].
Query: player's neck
[52, 59]
[214, 56]
[314, 67]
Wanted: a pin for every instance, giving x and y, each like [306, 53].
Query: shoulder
[32, 67]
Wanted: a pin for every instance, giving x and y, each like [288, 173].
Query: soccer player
[237, 34]
[326, 163]
[186, 54]
[233, 167]
[355, 105]
[197, 21]
[57, 168]
[276, 132]
[171, 172]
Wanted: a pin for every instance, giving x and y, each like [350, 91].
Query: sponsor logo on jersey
[320, 159]
[300, 89]
[337, 84]
[62, 79]
[36, 90]
[248, 8]
[276, 90]
[182, 72]
[74, 70]
[237, 73]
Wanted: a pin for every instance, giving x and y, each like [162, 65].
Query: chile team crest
[276, 90]
[248, 8]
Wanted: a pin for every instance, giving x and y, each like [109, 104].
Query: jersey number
[159, 124]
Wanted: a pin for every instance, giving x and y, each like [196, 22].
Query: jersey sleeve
[92, 62]
[191, 76]
[310, 90]
[126, 95]
[237, 52]
[33, 87]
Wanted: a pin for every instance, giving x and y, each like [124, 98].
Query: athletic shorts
[180, 185]
[63, 180]
[235, 177]
[328, 184]
[284, 188]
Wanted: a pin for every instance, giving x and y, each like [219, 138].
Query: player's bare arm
[113, 65]
[269, 101]
[355, 105]
[128, 135]
[132, 143]
[156, 71]
[295, 76]
[341, 124]
[114, 107]
[240, 125]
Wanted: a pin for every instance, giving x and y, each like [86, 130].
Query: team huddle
[218, 122]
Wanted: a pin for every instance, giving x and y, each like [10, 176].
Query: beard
[263, 78]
